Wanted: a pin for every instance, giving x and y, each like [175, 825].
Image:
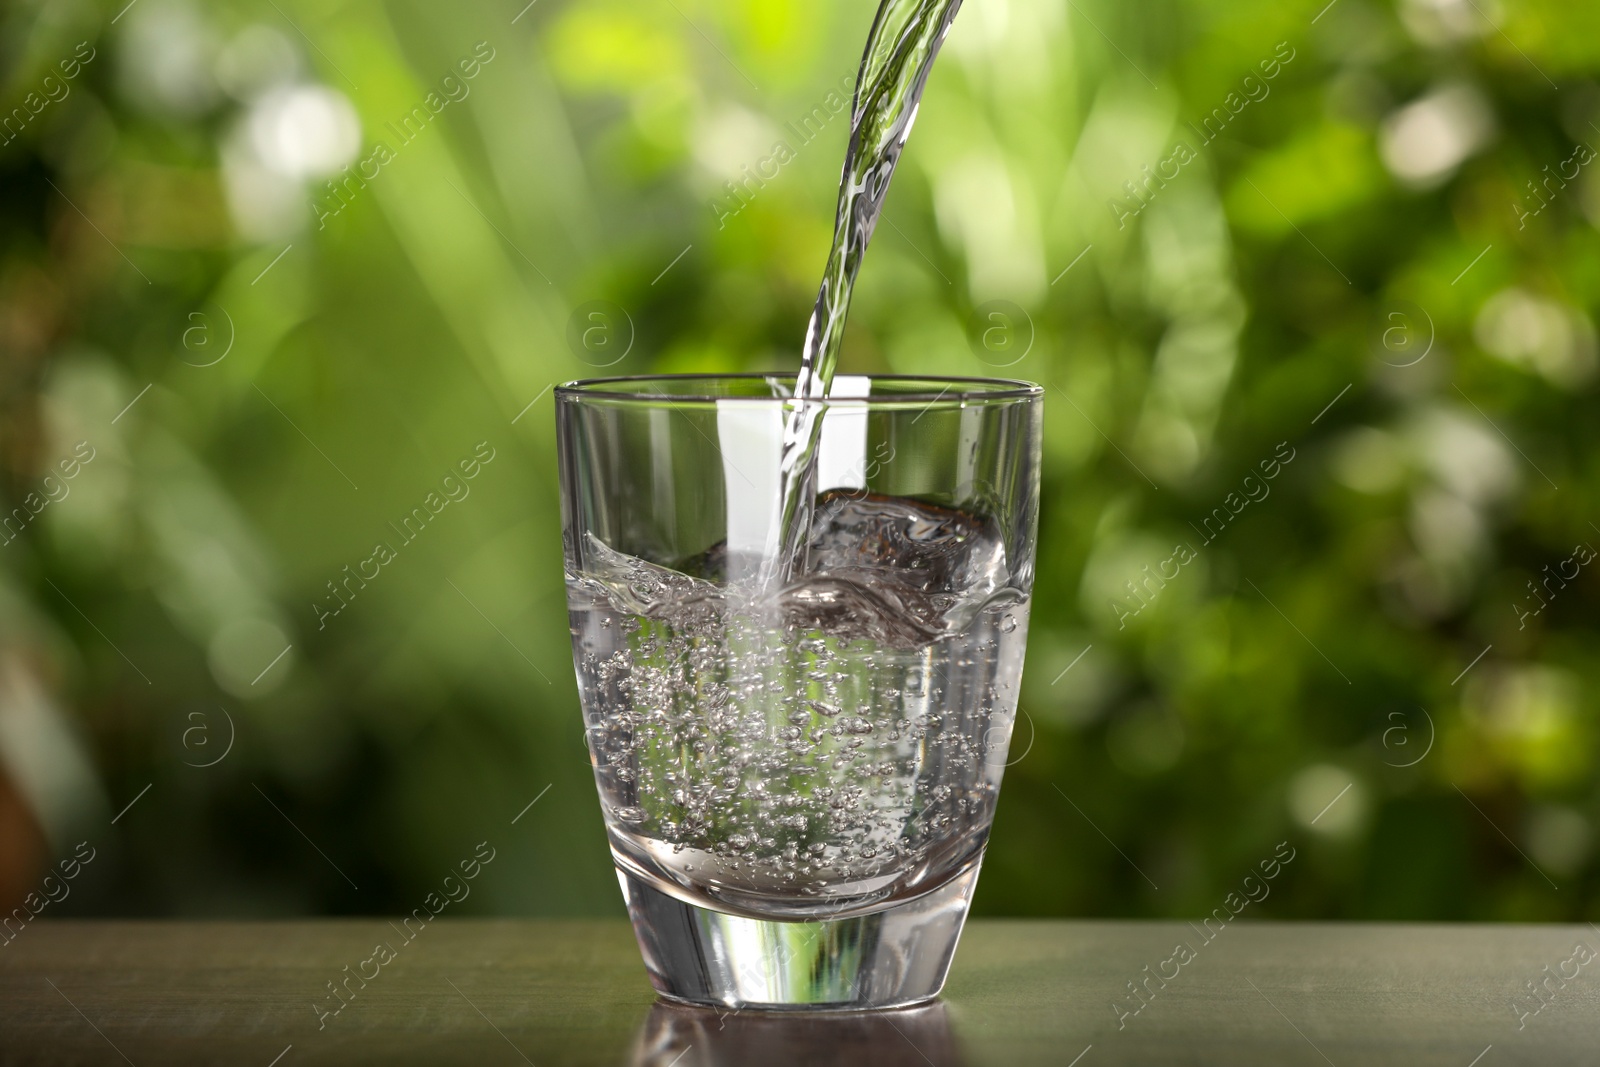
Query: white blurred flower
[1541, 335]
[984, 32]
[1424, 142]
[1464, 454]
[257, 59]
[1529, 704]
[289, 136]
[1328, 800]
[1117, 580]
[731, 138]
[165, 58]
[265, 205]
[982, 211]
[1448, 531]
[304, 131]
[1442, 22]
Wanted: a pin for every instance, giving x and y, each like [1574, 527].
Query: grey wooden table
[557, 993]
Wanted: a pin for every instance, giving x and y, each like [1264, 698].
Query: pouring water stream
[901, 49]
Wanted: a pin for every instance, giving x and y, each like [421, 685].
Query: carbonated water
[831, 749]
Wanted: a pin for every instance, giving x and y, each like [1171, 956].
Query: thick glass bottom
[681, 1035]
[886, 959]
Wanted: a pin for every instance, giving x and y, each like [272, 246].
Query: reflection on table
[676, 1035]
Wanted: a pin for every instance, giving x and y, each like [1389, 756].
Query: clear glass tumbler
[798, 781]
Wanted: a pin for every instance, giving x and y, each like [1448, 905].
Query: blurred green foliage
[1370, 268]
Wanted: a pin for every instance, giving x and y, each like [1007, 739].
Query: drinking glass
[798, 777]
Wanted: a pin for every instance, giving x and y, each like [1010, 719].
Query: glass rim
[955, 390]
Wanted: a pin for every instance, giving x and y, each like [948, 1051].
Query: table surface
[1022, 992]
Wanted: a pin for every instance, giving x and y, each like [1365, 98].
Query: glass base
[682, 1035]
[886, 959]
